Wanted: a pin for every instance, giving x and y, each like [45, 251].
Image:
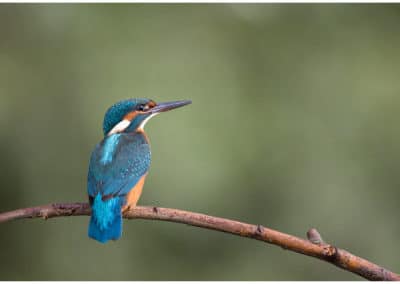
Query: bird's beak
[162, 107]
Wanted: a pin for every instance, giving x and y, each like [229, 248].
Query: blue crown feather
[117, 112]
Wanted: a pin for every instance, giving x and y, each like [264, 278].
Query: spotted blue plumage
[131, 160]
[109, 146]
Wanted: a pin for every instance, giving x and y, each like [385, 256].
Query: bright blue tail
[106, 220]
[113, 232]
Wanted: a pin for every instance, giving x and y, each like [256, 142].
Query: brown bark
[314, 247]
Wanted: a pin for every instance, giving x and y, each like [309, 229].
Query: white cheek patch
[141, 126]
[121, 126]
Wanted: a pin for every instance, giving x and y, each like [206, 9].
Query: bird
[119, 164]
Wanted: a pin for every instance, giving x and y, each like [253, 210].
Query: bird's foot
[125, 209]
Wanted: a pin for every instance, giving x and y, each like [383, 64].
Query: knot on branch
[260, 234]
[315, 237]
[329, 251]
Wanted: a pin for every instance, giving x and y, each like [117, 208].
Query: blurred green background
[294, 124]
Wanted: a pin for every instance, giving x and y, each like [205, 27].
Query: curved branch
[314, 247]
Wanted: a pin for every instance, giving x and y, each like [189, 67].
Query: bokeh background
[294, 124]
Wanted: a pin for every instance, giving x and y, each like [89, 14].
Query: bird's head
[132, 114]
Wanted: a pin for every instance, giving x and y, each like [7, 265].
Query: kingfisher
[119, 164]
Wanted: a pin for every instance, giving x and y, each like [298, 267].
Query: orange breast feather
[134, 195]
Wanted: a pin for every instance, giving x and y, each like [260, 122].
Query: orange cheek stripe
[131, 115]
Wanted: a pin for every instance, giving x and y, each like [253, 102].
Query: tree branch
[314, 247]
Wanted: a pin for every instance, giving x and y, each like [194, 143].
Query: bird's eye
[142, 107]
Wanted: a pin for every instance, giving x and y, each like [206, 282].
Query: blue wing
[117, 163]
